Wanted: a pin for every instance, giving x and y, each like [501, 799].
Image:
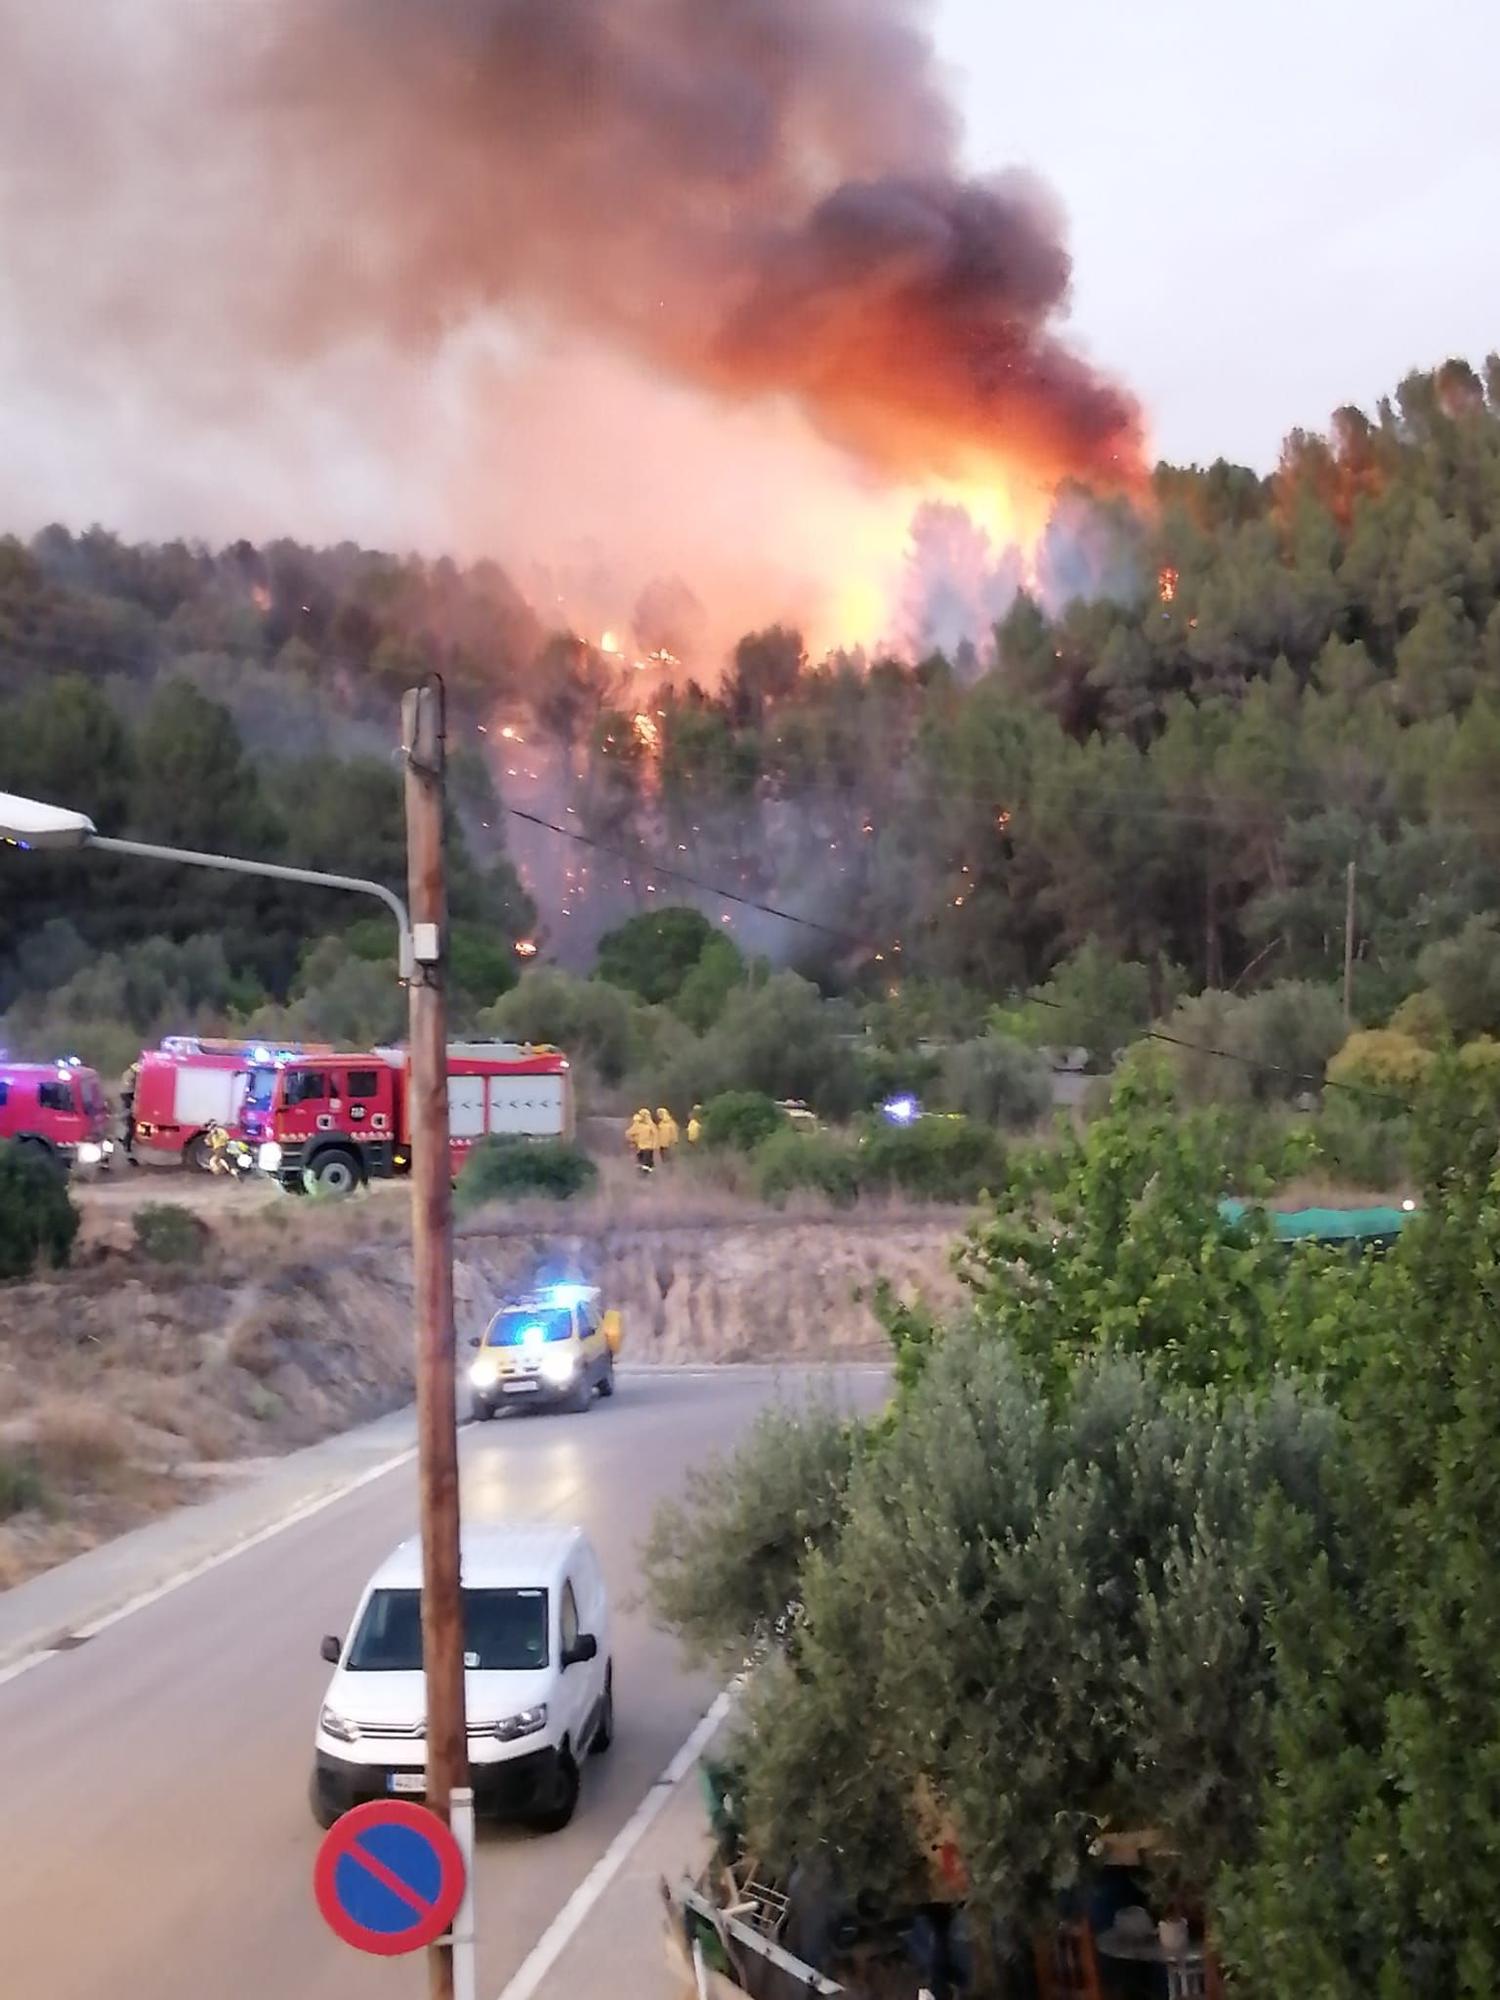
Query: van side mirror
[331, 1650]
[475, 1341]
[584, 1648]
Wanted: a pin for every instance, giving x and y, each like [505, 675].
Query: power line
[641, 859]
[1261, 1063]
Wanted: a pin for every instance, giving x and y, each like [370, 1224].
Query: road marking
[179, 1578]
[575, 1913]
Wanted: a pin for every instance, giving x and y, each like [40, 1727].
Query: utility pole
[1349, 947]
[423, 747]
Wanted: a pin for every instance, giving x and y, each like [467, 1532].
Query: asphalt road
[154, 1832]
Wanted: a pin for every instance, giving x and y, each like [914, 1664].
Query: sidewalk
[74, 1599]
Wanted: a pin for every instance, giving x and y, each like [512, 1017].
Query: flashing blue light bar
[899, 1110]
[260, 1055]
[567, 1295]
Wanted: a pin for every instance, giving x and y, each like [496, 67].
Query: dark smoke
[756, 197]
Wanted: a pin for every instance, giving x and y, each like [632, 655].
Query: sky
[1275, 208]
[1272, 210]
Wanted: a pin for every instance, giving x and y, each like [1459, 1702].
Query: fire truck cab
[340, 1121]
[194, 1082]
[57, 1109]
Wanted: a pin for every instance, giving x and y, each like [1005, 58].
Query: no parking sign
[389, 1878]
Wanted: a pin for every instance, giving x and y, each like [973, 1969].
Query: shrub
[38, 1221]
[21, 1485]
[167, 1233]
[741, 1118]
[77, 1445]
[940, 1159]
[1365, 1147]
[996, 1080]
[500, 1168]
[1382, 1059]
[789, 1160]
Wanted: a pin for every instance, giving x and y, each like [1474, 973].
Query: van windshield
[504, 1631]
[529, 1326]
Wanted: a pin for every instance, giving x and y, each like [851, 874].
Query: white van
[539, 1684]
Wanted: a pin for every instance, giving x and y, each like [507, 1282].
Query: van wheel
[607, 1379]
[604, 1735]
[483, 1411]
[582, 1397]
[563, 1801]
[332, 1174]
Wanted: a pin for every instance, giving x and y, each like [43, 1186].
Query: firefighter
[695, 1125]
[219, 1159]
[127, 1108]
[667, 1133]
[642, 1137]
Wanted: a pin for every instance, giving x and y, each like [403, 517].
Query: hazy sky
[1272, 210]
[1275, 208]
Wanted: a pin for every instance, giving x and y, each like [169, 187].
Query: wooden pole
[432, 1272]
[1349, 948]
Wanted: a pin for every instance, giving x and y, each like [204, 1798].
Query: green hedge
[938, 1159]
[742, 1119]
[501, 1169]
[167, 1233]
[38, 1221]
[789, 1160]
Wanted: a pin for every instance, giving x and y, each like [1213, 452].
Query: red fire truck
[193, 1082]
[56, 1108]
[340, 1121]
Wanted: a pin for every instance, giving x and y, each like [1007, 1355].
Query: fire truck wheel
[195, 1155]
[333, 1174]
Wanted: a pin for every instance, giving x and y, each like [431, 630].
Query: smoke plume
[753, 201]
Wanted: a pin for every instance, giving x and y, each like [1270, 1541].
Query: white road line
[575, 1913]
[179, 1578]
[23, 1666]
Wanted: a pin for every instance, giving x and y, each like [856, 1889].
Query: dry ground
[127, 1387]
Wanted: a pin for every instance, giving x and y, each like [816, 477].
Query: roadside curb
[76, 1600]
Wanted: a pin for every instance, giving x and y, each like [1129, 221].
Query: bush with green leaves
[511, 1169]
[38, 1221]
[790, 1162]
[1375, 1869]
[22, 1486]
[741, 1119]
[167, 1233]
[934, 1158]
[1113, 1239]
[1080, 1581]
[724, 1565]
[996, 1080]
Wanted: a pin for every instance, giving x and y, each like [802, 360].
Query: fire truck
[340, 1121]
[193, 1082]
[57, 1109]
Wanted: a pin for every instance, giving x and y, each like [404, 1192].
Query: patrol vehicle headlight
[485, 1371]
[337, 1726]
[89, 1155]
[559, 1365]
[268, 1159]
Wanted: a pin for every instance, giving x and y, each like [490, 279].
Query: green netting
[1327, 1225]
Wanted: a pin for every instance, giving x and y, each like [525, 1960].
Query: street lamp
[27, 823]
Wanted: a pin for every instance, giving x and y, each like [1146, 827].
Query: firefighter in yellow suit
[695, 1125]
[667, 1134]
[642, 1138]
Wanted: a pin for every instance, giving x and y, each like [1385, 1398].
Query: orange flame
[1166, 584]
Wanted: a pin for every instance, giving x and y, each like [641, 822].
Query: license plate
[519, 1388]
[406, 1781]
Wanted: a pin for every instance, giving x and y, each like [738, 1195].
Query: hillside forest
[1124, 810]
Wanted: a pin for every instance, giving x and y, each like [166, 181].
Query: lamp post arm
[233, 864]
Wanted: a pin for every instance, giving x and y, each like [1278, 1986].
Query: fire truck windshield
[260, 1089]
